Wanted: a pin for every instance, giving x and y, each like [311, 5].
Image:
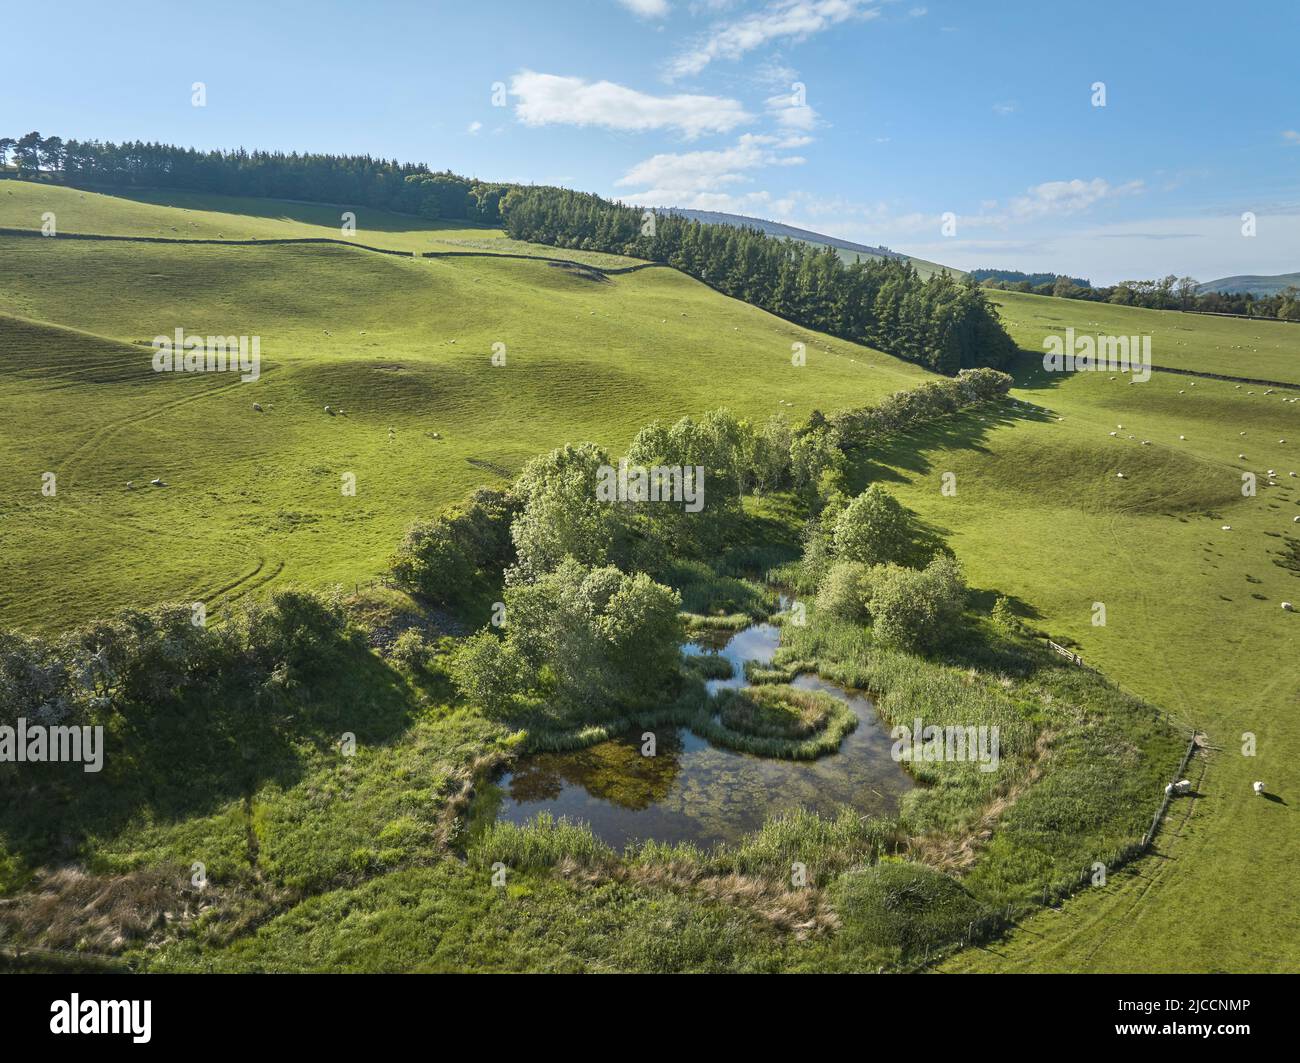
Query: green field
[173, 215]
[255, 498]
[1193, 622]
[253, 501]
[1260, 349]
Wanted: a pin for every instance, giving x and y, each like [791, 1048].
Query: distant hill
[1035, 279]
[847, 249]
[1252, 284]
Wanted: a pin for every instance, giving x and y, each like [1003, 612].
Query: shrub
[845, 591]
[411, 650]
[912, 609]
[1004, 616]
[491, 673]
[597, 640]
[439, 559]
[873, 528]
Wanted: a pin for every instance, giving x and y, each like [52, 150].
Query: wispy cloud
[473, 128]
[549, 99]
[786, 20]
[1067, 197]
[1006, 108]
[791, 112]
[648, 8]
[1291, 136]
[704, 178]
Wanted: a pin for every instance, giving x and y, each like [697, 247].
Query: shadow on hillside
[374, 219]
[905, 457]
[188, 756]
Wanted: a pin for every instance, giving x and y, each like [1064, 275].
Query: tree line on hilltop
[409, 188]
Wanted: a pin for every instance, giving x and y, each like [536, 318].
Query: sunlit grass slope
[397, 344]
[1192, 575]
[1260, 349]
[177, 215]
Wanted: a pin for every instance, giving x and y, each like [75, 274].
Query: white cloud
[548, 99]
[1067, 197]
[1010, 107]
[647, 8]
[792, 20]
[473, 128]
[697, 178]
[792, 113]
[1291, 136]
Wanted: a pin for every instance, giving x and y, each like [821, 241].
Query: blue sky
[909, 110]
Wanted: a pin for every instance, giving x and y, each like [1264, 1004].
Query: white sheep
[1288, 607]
[1182, 786]
[1258, 788]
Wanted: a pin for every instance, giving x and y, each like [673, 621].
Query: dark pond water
[692, 791]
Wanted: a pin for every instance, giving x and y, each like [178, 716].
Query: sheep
[1120, 476]
[257, 406]
[329, 410]
[130, 485]
[1288, 607]
[1182, 437]
[1241, 457]
[157, 482]
[1182, 786]
[1258, 788]
[1114, 433]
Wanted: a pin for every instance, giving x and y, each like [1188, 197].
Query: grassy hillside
[178, 215]
[1262, 349]
[401, 345]
[1193, 617]
[1191, 572]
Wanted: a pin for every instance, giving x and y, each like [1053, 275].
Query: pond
[693, 791]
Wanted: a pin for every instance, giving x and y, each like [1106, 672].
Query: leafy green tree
[490, 673]
[562, 514]
[914, 609]
[845, 591]
[582, 644]
[874, 529]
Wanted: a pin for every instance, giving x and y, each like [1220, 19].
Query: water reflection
[691, 791]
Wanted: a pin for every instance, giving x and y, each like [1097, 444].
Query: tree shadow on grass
[191, 754]
[905, 456]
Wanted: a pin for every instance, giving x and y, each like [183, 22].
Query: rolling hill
[1253, 285]
[1191, 570]
[402, 346]
[847, 249]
